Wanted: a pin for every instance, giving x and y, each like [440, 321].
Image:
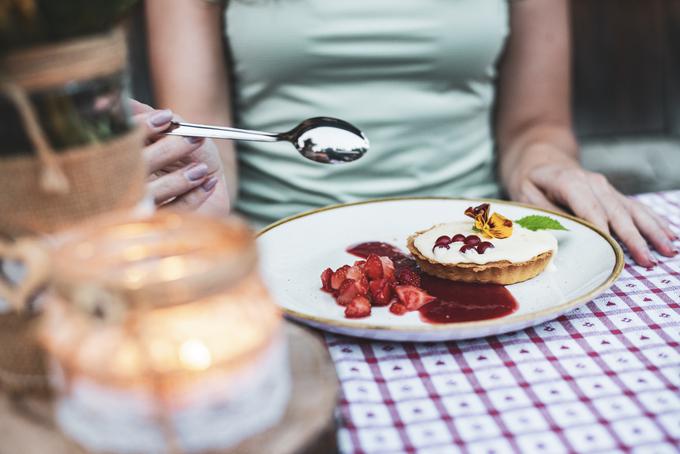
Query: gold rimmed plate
[296, 250]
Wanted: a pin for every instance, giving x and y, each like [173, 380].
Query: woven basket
[101, 178]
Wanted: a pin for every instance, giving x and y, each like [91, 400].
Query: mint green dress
[417, 76]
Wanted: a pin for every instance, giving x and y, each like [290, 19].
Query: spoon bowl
[321, 139]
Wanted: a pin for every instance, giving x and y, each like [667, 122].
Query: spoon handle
[219, 132]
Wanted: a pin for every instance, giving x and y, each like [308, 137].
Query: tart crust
[501, 272]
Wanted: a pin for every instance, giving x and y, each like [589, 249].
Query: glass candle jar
[162, 336]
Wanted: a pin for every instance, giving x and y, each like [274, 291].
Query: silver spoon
[321, 139]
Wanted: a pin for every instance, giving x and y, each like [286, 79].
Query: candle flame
[171, 268]
[194, 355]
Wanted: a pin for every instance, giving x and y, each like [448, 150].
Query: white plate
[296, 250]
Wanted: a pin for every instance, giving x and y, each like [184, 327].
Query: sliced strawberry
[373, 268]
[407, 276]
[404, 262]
[358, 307]
[381, 292]
[326, 280]
[354, 272]
[413, 297]
[387, 267]
[398, 308]
[360, 264]
[348, 290]
[339, 277]
[362, 285]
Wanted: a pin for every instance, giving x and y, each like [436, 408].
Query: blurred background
[626, 88]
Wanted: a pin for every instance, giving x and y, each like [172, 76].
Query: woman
[417, 76]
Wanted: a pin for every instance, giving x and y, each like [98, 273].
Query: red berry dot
[445, 246]
[442, 240]
[483, 246]
[472, 240]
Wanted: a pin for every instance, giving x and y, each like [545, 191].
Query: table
[603, 378]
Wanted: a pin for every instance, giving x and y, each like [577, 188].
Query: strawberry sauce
[376, 247]
[462, 302]
[456, 301]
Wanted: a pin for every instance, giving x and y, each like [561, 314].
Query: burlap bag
[101, 178]
[50, 191]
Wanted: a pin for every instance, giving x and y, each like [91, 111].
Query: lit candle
[163, 336]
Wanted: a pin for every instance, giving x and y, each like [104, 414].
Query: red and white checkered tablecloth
[603, 378]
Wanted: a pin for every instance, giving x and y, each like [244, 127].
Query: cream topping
[521, 246]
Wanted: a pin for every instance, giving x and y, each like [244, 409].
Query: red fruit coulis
[456, 301]
[462, 302]
[363, 250]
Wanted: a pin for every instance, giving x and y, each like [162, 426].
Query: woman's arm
[188, 67]
[538, 153]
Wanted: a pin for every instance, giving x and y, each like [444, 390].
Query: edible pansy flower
[480, 214]
[494, 226]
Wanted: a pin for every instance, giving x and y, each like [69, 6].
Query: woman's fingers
[532, 195]
[623, 225]
[139, 107]
[154, 122]
[650, 227]
[572, 189]
[193, 199]
[632, 223]
[182, 171]
[168, 150]
[178, 183]
[661, 222]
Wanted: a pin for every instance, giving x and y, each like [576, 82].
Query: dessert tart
[487, 249]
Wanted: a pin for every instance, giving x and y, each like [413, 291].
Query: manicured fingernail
[208, 185]
[193, 140]
[197, 172]
[160, 118]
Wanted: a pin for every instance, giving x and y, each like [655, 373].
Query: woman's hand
[184, 172]
[538, 153]
[559, 181]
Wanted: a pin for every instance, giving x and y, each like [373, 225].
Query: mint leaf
[536, 222]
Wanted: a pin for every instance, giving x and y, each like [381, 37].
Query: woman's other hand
[538, 153]
[558, 182]
[185, 173]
